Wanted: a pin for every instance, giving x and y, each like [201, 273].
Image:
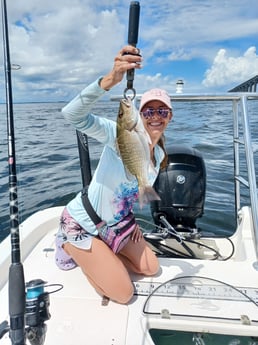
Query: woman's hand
[127, 58]
[137, 234]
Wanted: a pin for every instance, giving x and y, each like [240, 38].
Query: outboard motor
[181, 187]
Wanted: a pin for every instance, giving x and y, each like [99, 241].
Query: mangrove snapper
[133, 145]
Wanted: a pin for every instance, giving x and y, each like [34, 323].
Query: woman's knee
[124, 296]
[151, 267]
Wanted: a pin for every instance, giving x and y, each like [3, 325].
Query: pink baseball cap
[155, 95]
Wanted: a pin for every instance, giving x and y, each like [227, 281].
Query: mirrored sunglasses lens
[163, 112]
[148, 113]
[145, 114]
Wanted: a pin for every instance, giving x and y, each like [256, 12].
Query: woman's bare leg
[139, 258]
[104, 269]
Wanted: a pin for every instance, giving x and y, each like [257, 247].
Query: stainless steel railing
[240, 118]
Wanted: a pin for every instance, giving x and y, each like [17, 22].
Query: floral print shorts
[70, 231]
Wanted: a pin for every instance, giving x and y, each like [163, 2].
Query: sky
[63, 45]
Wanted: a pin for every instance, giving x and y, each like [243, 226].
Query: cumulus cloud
[226, 70]
[63, 45]
[59, 48]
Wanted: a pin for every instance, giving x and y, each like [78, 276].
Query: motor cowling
[181, 187]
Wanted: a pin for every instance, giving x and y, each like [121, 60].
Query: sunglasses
[149, 112]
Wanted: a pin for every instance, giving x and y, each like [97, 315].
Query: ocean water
[47, 161]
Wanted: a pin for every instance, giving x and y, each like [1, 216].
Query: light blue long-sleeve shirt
[111, 193]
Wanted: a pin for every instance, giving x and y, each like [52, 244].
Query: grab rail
[250, 165]
[240, 112]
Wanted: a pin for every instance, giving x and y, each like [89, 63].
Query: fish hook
[129, 89]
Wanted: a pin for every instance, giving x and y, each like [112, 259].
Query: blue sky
[63, 45]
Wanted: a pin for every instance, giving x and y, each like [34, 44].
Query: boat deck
[186, 292]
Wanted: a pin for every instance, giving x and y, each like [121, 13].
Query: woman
[110, 192]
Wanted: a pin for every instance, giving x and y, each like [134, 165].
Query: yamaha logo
[180, 179]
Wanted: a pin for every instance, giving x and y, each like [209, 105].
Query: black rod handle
[17, 304]
[133, 29]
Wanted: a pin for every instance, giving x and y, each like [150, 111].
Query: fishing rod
[82, 139]
[16, 273]
[28, 306]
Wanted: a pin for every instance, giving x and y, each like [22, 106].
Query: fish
[133, 146]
